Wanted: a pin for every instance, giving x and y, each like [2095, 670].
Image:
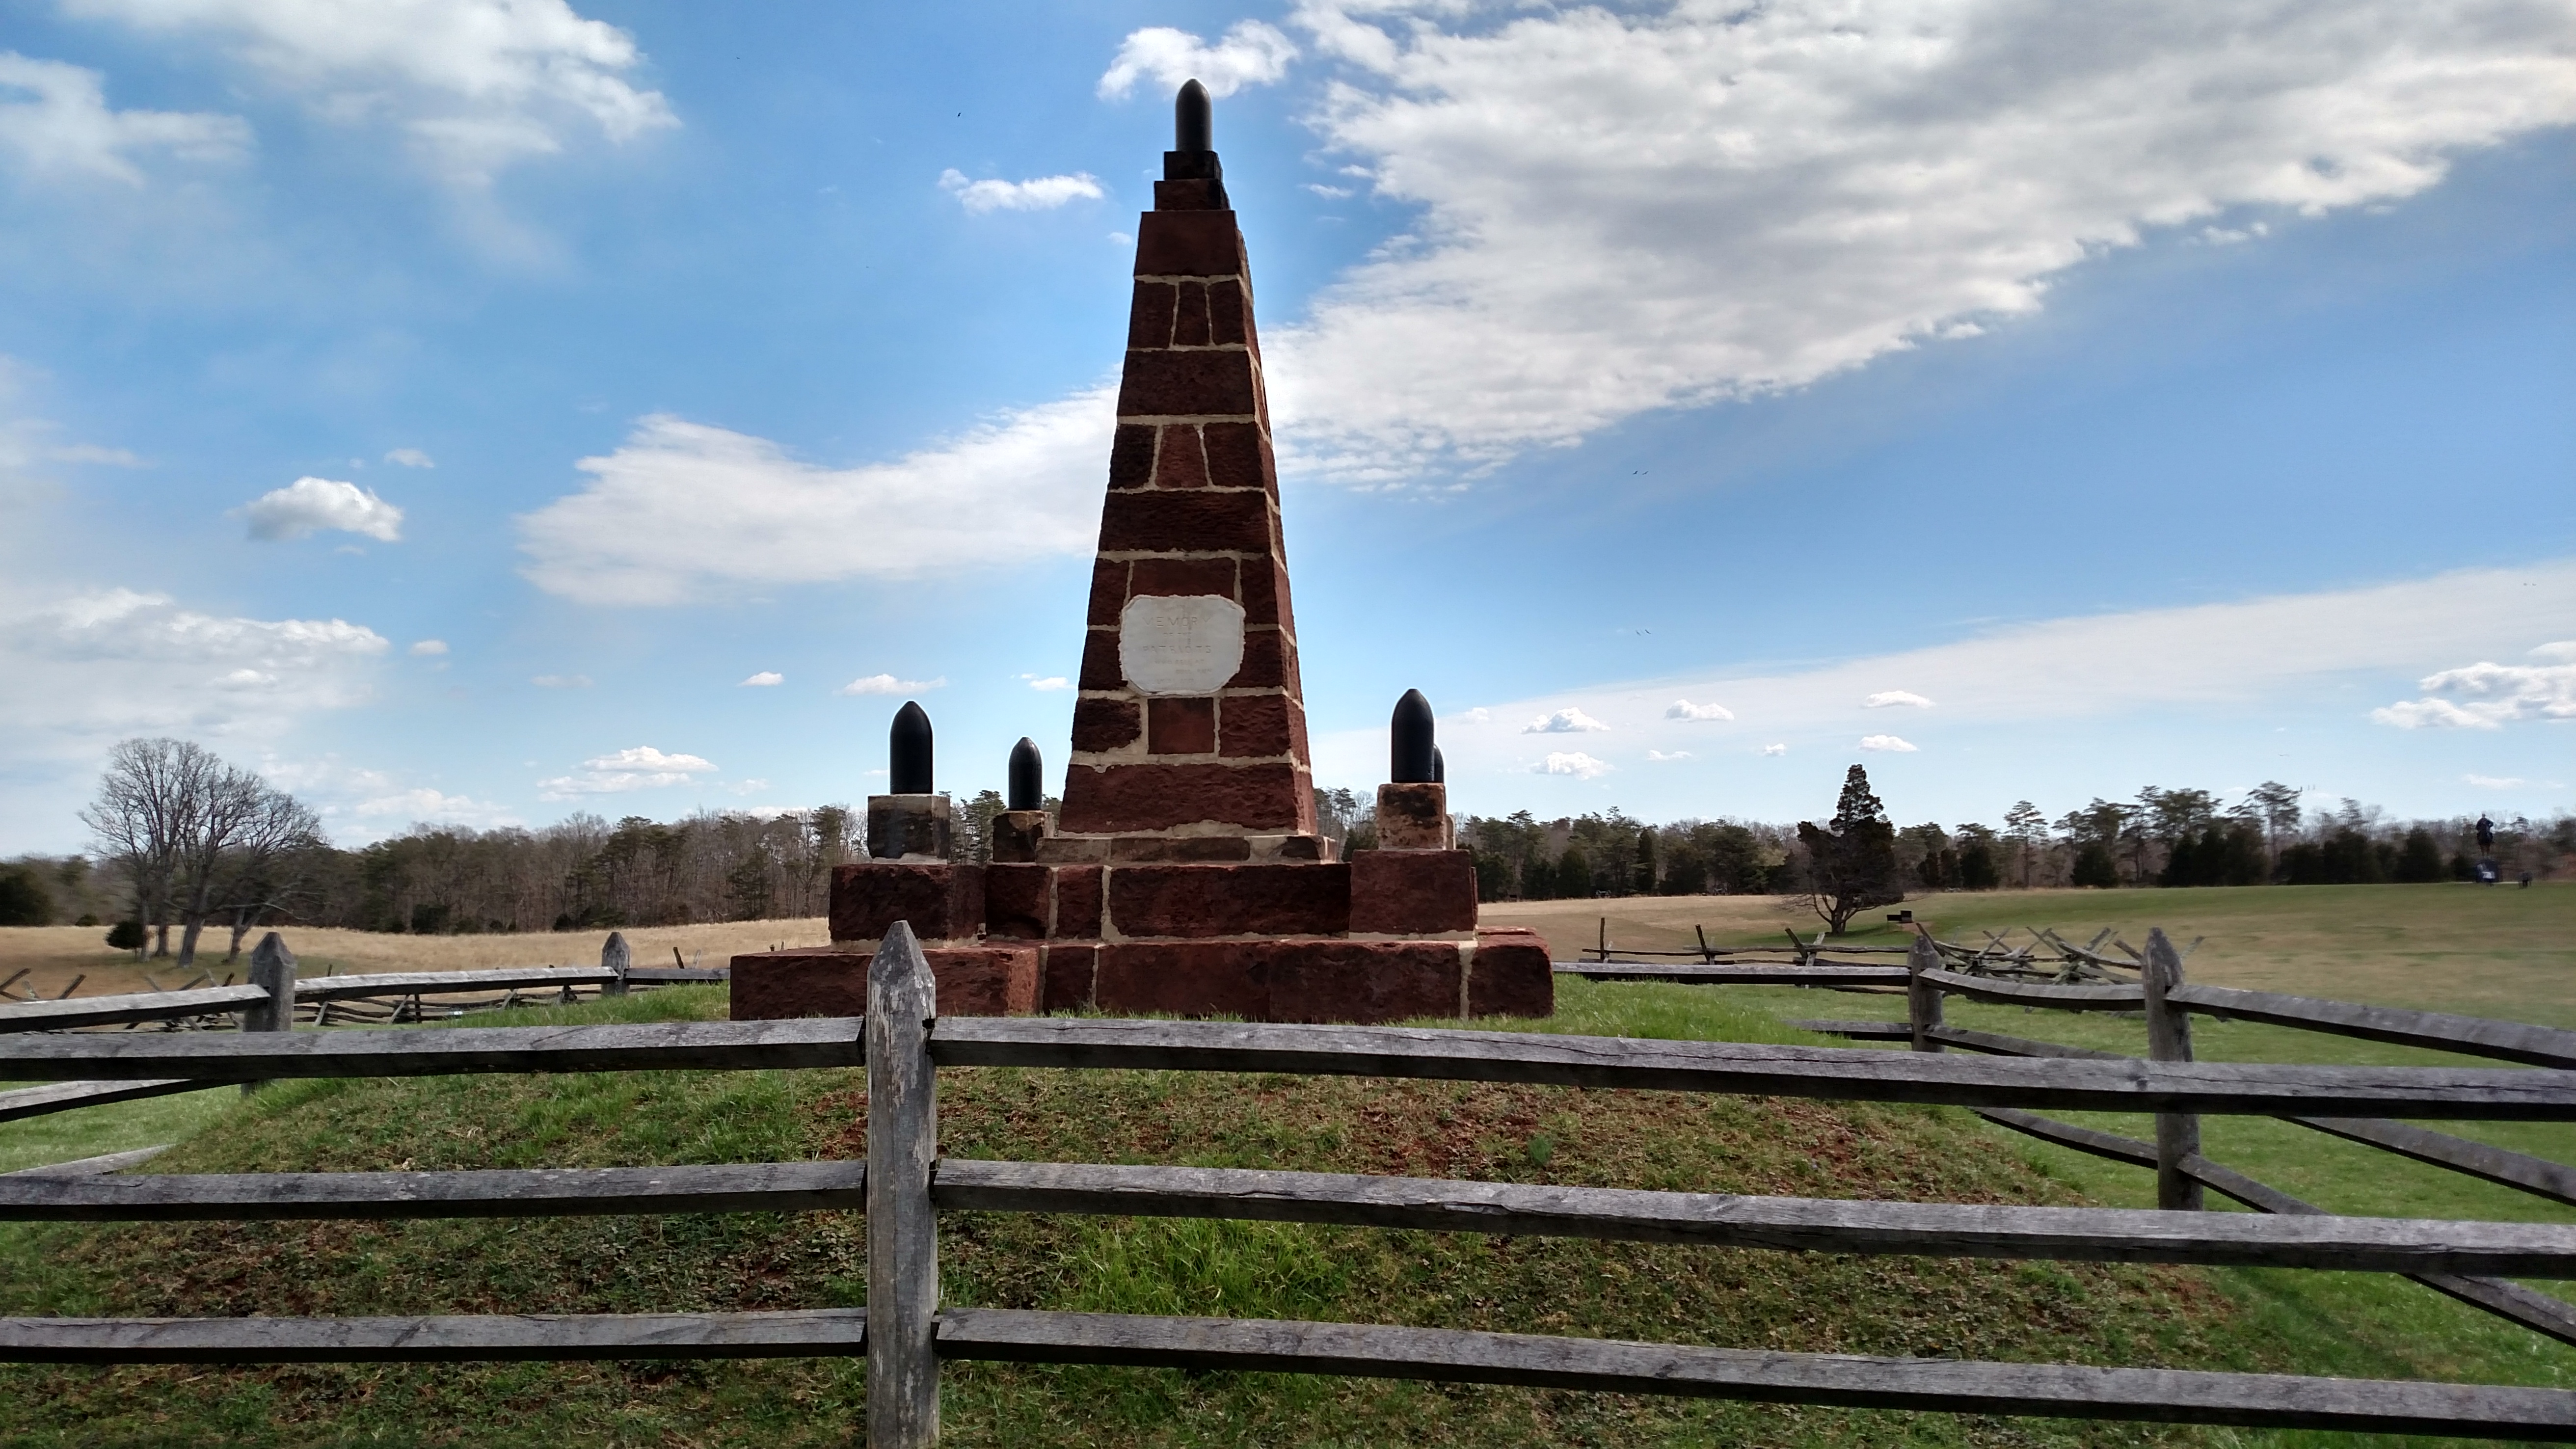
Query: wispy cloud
[1896, 699]
[429, 648]
[1684, 709]
[1775, 749]
[55, 121]
[1889, 743]
[2492, 694]
[1567, 721]
[684, 511]
[561, 681]
[763, 680]
[1572, 762]
[1662, 757]
[638, 767]
[1050, 682]
[888, 684]
[1249, 54]
[1044, 193]
[311, 505]
[410, 458]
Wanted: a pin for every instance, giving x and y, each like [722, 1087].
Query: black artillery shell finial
[1028, 776]
[908, 752]
[1410, 751]
[1439, 767]
[1193, 120]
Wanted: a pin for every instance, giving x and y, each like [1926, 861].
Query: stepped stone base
[1383, 936]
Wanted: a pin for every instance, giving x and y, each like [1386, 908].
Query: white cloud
[888, 684]
[1250, 54]
[1631, 208]
[309, 505]
[683, 510]
[410, 458]
[561, 681]
[1567, 721]
[1051, 682]
[639, 767]
[763, 680]
[2495, 694]
[1044, 193]
[1660, 757]
[93, 453]
[1574, 762]
[1775, 749]
[1478, 715]
[88, 668]
[1684, 709]
[424, 805]
[1886, 742]
[1896, 698]
[475, 84]
[429, 647]
[2492, 782]
[67, 128]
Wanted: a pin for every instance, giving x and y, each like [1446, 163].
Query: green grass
[2104, 1314]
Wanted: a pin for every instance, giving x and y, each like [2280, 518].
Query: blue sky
[447, 407]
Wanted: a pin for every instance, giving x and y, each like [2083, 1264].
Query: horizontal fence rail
[18, 1016]
[1851, 1381]
[527, 1192]
[266, 1056]
[1736, 974]
[449, 983]
[802, 1333]
[2122, 1085]
[2511, 1041]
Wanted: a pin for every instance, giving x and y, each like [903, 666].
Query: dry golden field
[2486, 951]
[56, 954]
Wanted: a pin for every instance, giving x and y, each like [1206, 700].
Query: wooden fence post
[1922, 998]
[903, 1228]
[615, 956]
[272, 969]
[2169, 1040]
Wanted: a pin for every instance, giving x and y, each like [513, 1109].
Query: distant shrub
[2094, 867]
[86, 920]
[126, 936]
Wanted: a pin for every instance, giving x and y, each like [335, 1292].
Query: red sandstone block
[1077, 902]
[1229, 313]
[1101, 725]
[1177, 849]
[1365, 981]
[1111, 799]
[1511, 975]
[943, 902]
[1016, 836]
[1131, 456]
[1180, 464]
[1236, 457]
[1413, 817]
[1180, 726]
[1265, 591]
[985, 980]
[1100, 668]
[1202, 978]
[1149, 316]
[1406, 892]
[1108, 590]
[1194, 522]
[1188, 244]
[1266, 899]
[1065, 976]
[771, 985]
[1255, 726]
[1018, 901]
[1196, 193]
[1190, 323]
[1187, 384]
[1169, 576]
[1265, 660]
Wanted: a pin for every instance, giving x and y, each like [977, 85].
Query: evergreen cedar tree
[1851, 862]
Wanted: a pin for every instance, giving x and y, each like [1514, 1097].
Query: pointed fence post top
[1923, 955]
[615, 955]
[899, 980]
[271, 955]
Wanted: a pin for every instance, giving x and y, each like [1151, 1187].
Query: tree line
[183, 842]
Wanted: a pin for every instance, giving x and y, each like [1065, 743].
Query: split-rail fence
[906, 1333]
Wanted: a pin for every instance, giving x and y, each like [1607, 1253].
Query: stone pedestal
[1017, 834]
[984, 980]
[908, 827]
[1414, 817]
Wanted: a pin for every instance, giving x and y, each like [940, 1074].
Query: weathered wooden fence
[2168, 1003]
[906, 1332]
[367, 998]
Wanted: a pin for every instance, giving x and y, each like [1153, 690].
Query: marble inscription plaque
[1190, 644]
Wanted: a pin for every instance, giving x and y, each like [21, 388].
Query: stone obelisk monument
[1185, 873]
